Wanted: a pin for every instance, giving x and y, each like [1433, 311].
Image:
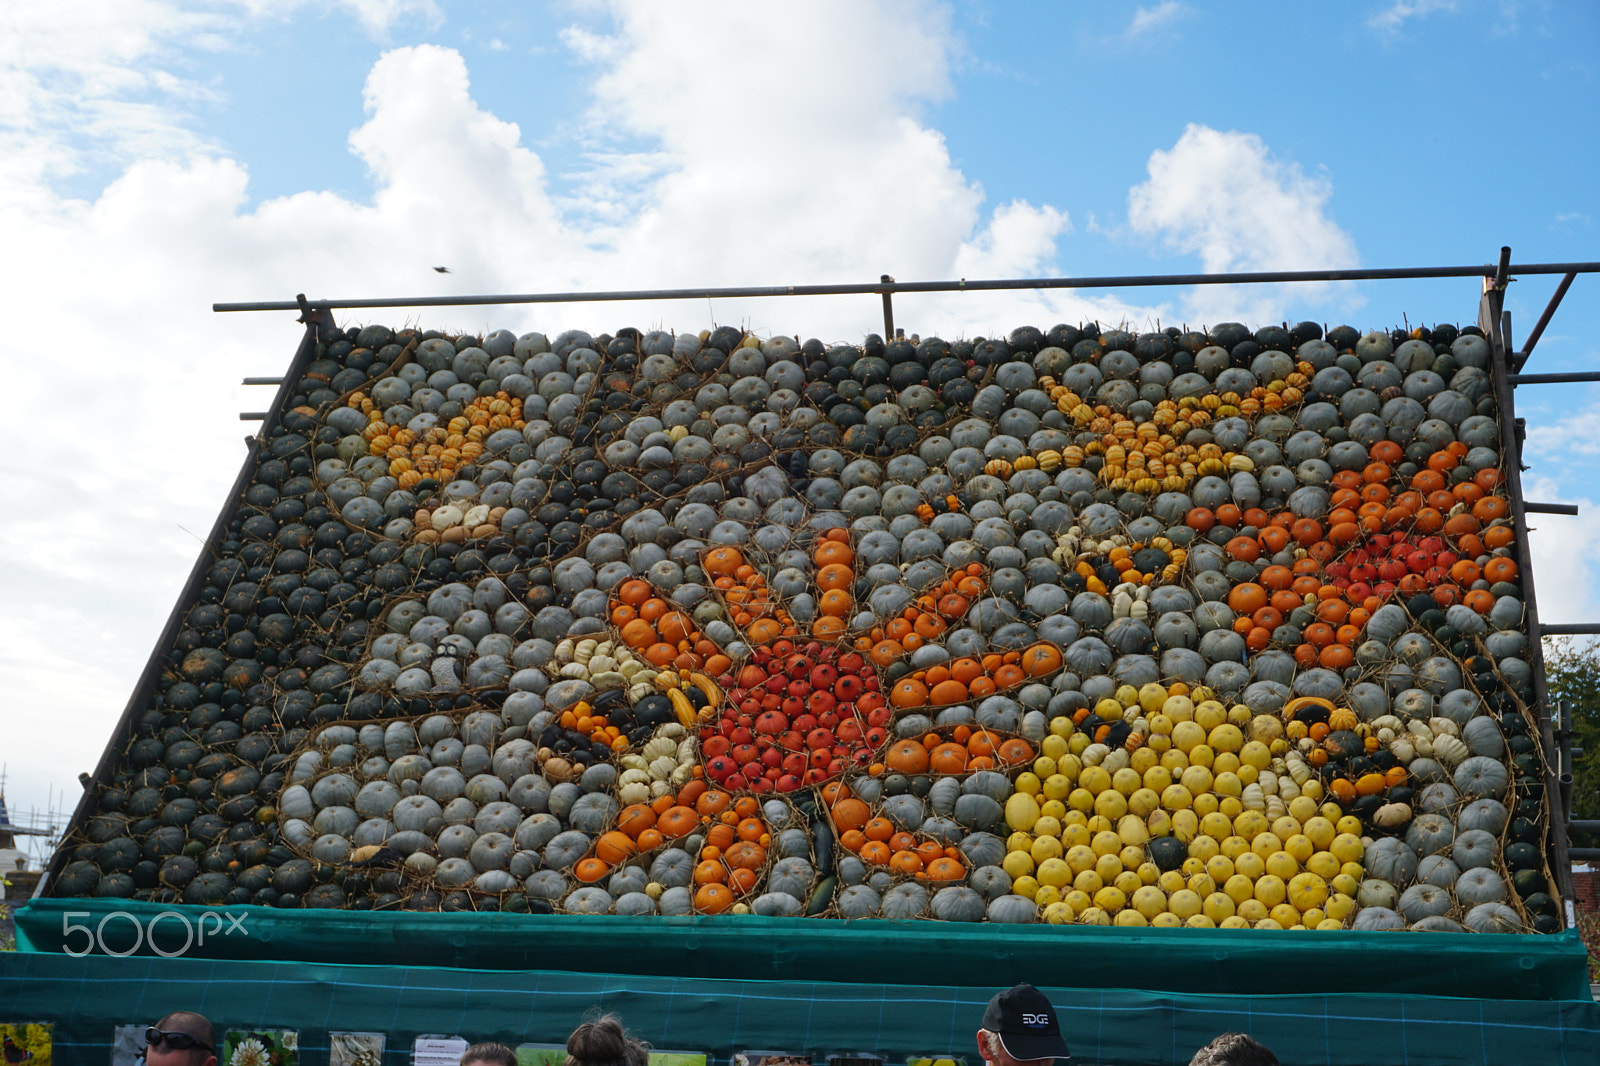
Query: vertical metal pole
[1511, 455]
[1563, 731]
[888, 309]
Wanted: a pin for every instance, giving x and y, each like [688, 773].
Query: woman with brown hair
[604, 1042]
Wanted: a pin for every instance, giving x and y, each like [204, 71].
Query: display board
[1217, 630]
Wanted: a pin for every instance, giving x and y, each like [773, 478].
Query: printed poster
[260, 1047]
[127, 1045]
[772, 1058]
[28, 1042]
[436, 1051]
[542, 1055]
[677, 1058]
[355, 1049]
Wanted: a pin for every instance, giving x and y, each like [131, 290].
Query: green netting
[748, 947]
[85, 998]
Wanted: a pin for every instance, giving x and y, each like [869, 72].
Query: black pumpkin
[1343, 744]
[1168, 853]
[1522, 856]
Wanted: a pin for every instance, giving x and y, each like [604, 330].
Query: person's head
[604, 1042]
[182, 1038]
[489, 1055]
[1234, 1049]
[1020, 1029]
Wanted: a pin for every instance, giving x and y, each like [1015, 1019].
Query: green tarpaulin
[748, 947]
[718, 985]
[85, 998]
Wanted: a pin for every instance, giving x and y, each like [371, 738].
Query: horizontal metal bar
[1583, 854]
[1551, 508]
[1585, 825]
[1570, 629]
[963, 285]
[262, 381]
[1555, 379]
[253, 416]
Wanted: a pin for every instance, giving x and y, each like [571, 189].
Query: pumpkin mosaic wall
[1169, 629]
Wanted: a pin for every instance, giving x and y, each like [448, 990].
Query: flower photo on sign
[25, 1042]
[264, 1047]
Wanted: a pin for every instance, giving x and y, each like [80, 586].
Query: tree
[1572, 673]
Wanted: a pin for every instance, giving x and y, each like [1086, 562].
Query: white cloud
[1150, 19]
[1224, 197]
[1567, 578]
[1394, 17]
[1573, 435]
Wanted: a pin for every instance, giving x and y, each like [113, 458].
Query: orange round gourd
[1015, 752]
[948, 759]
[1498, 569]
[851, 813]
[906, 757]
[835, 576]
[875, 852]
[908, 692]
[830, 552]
[1041, 659]
[836, 602]
[678, 822]
[720, 561]
[713, 898]
[1247, 598]
[745, 855]
[614, 847]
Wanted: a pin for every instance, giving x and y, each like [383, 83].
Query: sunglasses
[154, 1037]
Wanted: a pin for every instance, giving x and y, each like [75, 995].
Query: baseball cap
[1026, 1024]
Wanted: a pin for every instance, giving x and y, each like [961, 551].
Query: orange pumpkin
[745, 855]
[906, 757]
[948, 759]
[636, 819]
[851, 813]
[678, 822]
[1041, 659]
[909, 692]
[614, 847]
[713, 898]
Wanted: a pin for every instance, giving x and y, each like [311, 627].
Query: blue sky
[157, 155]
